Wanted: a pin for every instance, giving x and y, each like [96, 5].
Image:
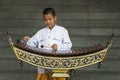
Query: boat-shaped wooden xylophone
[60, 62]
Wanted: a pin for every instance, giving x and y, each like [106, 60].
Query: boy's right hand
[26, 38]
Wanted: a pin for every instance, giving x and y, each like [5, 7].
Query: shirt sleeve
[33, 41]
[66, 42]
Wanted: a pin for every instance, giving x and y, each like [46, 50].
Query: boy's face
[50, 20]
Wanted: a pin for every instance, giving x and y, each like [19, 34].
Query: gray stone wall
[89, 22]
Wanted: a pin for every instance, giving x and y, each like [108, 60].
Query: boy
[52, 37]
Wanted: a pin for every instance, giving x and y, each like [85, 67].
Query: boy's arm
[66, 42]
[32, 41]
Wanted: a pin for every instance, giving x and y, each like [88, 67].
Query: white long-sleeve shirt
[45, 38]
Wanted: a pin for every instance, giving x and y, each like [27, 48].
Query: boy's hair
[49, 11]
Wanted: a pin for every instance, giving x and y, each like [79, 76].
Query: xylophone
[61, 62]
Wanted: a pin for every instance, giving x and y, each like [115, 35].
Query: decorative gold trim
[60, 65]
[59, 62]
[60, 73]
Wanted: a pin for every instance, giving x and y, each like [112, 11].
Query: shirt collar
[53, 28]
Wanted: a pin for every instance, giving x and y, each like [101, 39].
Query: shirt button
[48, 36]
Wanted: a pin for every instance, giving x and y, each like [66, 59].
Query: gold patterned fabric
[44, 76]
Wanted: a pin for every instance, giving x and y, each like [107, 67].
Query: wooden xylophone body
[60, 62]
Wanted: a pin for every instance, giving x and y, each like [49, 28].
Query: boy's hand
[54, 46]
[26, 38]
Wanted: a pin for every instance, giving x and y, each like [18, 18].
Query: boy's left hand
[54, 46]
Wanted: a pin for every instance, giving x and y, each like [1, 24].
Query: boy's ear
[55, 18]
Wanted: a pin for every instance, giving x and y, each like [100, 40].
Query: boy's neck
[52, 27]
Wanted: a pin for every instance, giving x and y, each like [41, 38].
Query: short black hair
[49, 10]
